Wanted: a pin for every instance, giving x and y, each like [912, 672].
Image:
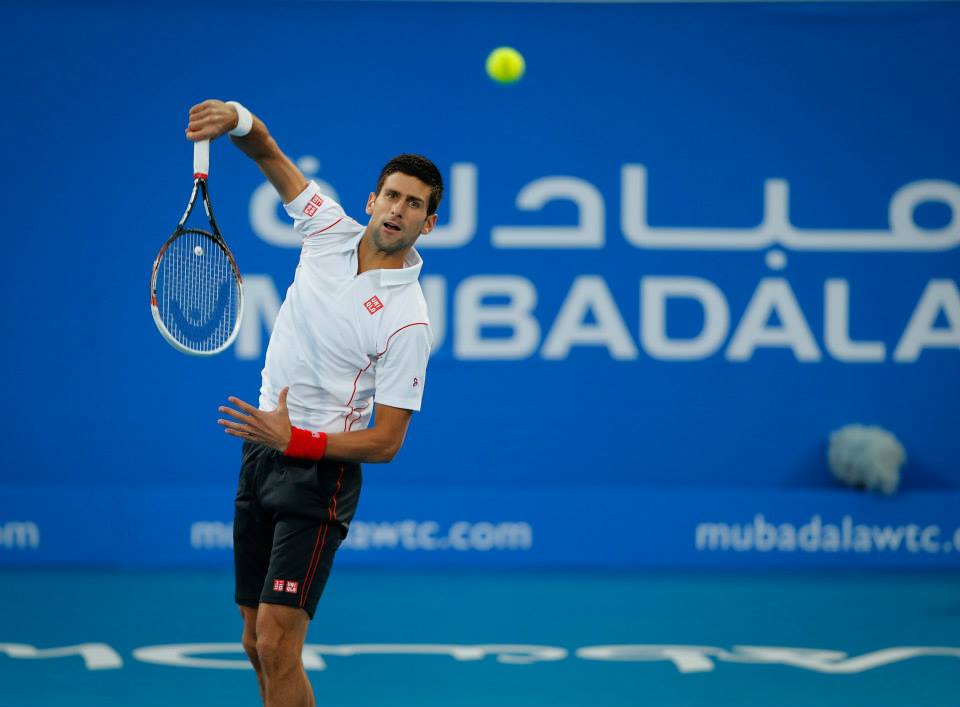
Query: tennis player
[352, 333]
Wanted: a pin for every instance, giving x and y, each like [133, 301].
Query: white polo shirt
[341, 340]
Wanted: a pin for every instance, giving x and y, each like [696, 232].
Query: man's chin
[385, 246]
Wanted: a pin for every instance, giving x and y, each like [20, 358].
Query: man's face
[398, 214]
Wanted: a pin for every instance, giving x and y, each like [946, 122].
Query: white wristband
[244, 120]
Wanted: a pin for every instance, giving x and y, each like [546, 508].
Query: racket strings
[198, 296]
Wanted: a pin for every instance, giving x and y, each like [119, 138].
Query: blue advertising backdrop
[691, 242]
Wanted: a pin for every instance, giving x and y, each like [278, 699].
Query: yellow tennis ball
[505, 65]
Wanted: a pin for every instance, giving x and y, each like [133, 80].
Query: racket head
[196, 293]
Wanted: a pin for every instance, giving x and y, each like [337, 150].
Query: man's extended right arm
[213, 118]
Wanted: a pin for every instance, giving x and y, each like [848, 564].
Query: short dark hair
[419, 167]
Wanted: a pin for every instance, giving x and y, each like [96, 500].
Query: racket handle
[201, 159]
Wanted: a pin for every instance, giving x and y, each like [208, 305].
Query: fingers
[247, 419]
[254, 425]
[198, 132]
[203, 130]
[246, 407]
[246, 436]
[209, 103]
[207, 120]
[208, 107]
[235, 429]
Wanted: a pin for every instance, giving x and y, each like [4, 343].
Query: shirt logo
[315, 203]
[292, 587]
[278, 585]
[415, 382]
[373, 305]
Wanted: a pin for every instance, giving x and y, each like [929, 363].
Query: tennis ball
[505, 65]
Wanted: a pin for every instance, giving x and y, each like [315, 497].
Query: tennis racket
[196, 291]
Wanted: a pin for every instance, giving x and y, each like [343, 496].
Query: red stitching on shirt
[346, 420]
[395, 333]
[355, 420]
[350, 401]
[327, 228]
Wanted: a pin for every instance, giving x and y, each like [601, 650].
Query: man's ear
[429, 224]
[370, 199]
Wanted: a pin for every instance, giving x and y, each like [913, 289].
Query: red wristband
[306, 444]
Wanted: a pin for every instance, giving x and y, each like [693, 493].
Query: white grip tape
[201, 157]
[244, 119]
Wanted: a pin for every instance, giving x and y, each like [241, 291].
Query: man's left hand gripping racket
[196, 291]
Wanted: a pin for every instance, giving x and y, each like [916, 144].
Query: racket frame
[200, 171]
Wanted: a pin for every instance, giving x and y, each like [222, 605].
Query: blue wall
[793, 165]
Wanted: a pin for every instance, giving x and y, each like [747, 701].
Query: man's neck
[372, 259]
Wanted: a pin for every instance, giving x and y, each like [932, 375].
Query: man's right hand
[211, 119]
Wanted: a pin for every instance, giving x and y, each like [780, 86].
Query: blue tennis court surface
[518, 639]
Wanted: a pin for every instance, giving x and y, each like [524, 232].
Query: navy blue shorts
[290, 517]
